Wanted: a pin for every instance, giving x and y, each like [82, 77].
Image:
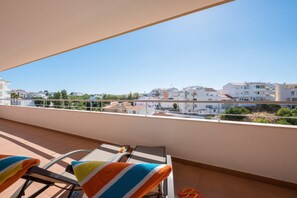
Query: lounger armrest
[57, 159]
[119, 156]
[116, 158]
[47, 177]
[170, 182]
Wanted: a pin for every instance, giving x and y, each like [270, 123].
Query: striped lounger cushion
[12, 168]
[118, 179]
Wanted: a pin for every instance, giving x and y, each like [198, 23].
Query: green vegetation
[14, 95]
[261, 120]
[58, 96]
[175, 106]
[285, 112]
[74, 102]
[209, 117]
[271, 108]
[263, 114]
[130, 96]
[282, 121]
[235, 110]
[38, 103]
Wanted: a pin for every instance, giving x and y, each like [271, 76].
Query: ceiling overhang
[32, 30]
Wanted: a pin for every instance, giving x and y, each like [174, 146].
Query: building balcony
[221, 159]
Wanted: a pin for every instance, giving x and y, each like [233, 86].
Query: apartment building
[4, 92]
[286, 92]
[250, 91]
[126, 107]
[149, 105]
[21, 93]
[40, 94]
[76, 94]
[198, 93]
[165, 94]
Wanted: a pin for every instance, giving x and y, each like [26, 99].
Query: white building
[37, 95]
[198, 93]
[165, 94]
[21, 102]
[286, 92]
[126, 107]
[76, 94]
[4, 92]
[96, 97]
[21, 93]
[140, 110]
[168, 94]
[250, 91]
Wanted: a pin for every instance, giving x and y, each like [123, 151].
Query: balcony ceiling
[32, 30]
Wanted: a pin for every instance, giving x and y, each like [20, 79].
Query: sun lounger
[104, 152]
[148, 154]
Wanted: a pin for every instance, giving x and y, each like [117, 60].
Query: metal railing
[183, 108]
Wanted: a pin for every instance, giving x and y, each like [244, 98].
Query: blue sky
[245, 40]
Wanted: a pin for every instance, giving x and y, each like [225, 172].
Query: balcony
[221, 159]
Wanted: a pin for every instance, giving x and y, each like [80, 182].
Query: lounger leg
[40, 191]
[22, 190]
[71, 191]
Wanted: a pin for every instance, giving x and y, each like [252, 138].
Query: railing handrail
[217, 111]
[168, 101]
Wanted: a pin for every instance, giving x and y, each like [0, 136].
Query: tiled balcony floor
[20, 139]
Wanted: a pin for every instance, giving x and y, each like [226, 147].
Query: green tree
[272, 108]
[261, 120]
[283, 121]
[285, 112]
[130, 96]
[136, 95]
[57, 96]
[64, 94]
[38, 103]
[14, 95]
[175, 106]
[235, 110]
[294, 112]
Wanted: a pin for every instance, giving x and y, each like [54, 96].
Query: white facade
[21, 102]
[151, 106]
[169, 94]
[76, 94]
[286, 92]
[96, 97]
[164, 94]
[140, 110]
[4, 92]
[37, 95]
[198, 93]
[250, 91]
[21, 93]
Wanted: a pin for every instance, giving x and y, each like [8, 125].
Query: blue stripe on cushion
[6, 162]
[134, 176]
[74, 163]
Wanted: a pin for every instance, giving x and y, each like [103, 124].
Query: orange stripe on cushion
[159, 176]
[26, 164]
[101, 178]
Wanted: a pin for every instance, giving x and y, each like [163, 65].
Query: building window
[260, 86]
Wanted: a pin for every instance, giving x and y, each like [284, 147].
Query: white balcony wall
[258, 149]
